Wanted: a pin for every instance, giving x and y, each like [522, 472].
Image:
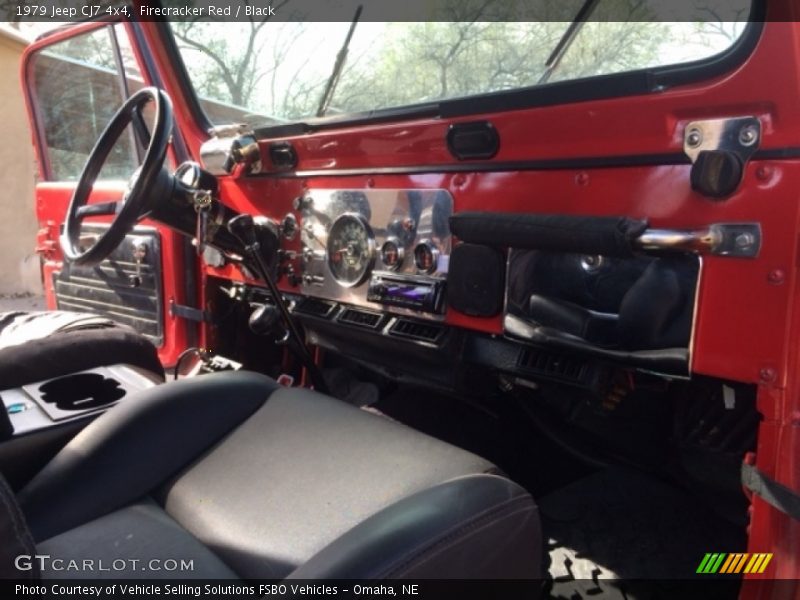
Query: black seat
[248, 479]
[36, 346]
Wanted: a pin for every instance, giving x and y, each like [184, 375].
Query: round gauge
[392, 254]
[426, 257]
[351, 250]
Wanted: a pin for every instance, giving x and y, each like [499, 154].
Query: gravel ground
[21, 302]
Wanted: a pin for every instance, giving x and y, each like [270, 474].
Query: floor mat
[343, 385]
[502, 435]
[618, 526]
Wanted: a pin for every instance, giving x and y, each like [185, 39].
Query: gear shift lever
[244, 228]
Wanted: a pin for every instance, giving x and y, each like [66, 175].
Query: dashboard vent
[554, 365]
[315, 308]
[361, 318]
[416, 330]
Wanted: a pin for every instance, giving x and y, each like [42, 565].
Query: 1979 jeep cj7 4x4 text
[479, 297]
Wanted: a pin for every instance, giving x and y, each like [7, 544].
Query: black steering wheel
[149, 182]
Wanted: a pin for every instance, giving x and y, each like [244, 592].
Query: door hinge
[45, 244]
[189, 313]
[719, 150]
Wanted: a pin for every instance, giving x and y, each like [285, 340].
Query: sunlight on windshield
[270, 72]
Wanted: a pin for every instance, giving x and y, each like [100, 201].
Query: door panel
[148, 304]
[74, 87]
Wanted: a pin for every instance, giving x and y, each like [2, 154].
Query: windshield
[266, 72]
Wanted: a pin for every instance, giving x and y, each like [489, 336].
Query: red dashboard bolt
[459, 180]
[582, 178]
[768, 374]
[776, 276]
[764, 172]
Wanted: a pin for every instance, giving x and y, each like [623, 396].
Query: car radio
[422, 294]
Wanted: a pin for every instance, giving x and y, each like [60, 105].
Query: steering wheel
[148, 183]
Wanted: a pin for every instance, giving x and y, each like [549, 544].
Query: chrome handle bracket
[735, 240]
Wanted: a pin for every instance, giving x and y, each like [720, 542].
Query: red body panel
[746, 326]
[51, 206]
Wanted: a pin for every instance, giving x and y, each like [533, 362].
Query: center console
[47, 403]
[39, 418]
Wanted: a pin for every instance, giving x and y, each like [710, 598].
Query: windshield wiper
[330, 87]
[554, 60]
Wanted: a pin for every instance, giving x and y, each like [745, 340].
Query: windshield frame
[626, 83]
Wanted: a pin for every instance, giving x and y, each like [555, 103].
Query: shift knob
[244, 228]
[264, 320]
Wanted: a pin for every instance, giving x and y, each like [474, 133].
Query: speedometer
[351, 250]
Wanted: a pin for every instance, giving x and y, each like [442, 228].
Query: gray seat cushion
[313, 468]
[139, 541]
[277, 482]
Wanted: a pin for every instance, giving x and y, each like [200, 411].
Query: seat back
[17, 546]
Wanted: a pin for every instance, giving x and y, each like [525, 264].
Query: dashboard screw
[370, 182]
[744, 240]
[776, 277]
[458, 180]
[694, 138]
[748, 135]
[764, 172]
[582, 178]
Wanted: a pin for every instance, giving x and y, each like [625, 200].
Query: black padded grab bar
[608, 236]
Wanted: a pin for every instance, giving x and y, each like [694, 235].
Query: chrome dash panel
[408, 217]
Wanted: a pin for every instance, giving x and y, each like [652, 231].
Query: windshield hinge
[229, 146]
[719, 150]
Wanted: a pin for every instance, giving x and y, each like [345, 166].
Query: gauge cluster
[376, 248]
[350, 249]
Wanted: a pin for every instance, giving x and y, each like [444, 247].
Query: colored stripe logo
[719, 562]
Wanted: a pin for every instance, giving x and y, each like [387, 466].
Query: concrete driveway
[21, 302]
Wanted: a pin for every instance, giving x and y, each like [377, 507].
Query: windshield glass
[266, 72]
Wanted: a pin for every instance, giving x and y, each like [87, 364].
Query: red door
[75, 81]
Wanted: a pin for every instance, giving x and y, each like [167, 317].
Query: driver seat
[37, 346]
[251, 480]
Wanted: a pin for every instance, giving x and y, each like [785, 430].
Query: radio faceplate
[350, 237]
[419, 293]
